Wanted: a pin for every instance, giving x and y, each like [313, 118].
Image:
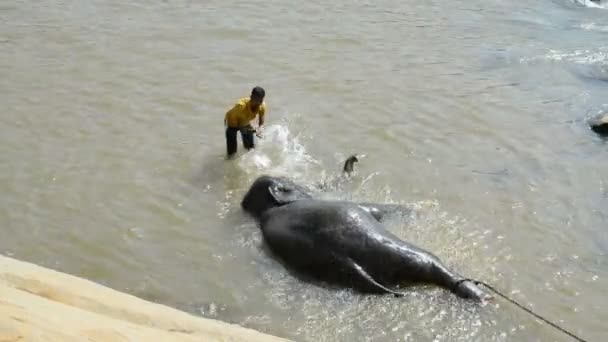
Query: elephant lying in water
[344, 242]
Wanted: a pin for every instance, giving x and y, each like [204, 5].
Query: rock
[39, 304]
[599, 124]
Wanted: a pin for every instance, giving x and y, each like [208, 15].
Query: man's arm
[260, 121]
[261, 115]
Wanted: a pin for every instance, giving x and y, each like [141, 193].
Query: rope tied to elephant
[491, 288]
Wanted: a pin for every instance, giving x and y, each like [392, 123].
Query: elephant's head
[269, 192]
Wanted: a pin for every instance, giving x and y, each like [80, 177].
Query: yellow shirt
[241, 114]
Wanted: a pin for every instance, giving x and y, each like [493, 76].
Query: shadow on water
[602, 139]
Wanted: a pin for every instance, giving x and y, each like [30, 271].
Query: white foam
[592, 4]
[599, 56]
[261, 161]
[594, 27]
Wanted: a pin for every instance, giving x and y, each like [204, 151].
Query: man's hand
[258, 132]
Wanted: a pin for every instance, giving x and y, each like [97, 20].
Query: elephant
[344, 243]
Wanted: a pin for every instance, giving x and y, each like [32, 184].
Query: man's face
[256, 102]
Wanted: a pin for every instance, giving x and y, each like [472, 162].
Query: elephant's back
[308, 217]
[335, 225]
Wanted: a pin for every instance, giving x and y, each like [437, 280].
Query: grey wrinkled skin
[343, 242]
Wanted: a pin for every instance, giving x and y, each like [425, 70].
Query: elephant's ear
[283, 194]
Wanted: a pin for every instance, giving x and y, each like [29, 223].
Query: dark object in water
[349, 164]
[599, 124]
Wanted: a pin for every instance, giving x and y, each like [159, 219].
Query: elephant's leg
[379, 211]
[364, 279]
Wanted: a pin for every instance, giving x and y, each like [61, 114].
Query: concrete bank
[39, 304]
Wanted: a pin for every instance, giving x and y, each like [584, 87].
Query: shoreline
[40, 304]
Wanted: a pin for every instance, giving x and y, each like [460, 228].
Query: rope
[476, 282]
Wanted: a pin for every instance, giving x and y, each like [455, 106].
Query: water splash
[278, 152]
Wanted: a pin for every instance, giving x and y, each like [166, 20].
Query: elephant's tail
[349, 164]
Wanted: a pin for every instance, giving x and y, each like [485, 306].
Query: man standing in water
[239, 117]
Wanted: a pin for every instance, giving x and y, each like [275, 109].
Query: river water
[473, 112]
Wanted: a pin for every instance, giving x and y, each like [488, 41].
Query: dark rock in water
[599, 124]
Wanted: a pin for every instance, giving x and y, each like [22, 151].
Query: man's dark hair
[258, 93]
